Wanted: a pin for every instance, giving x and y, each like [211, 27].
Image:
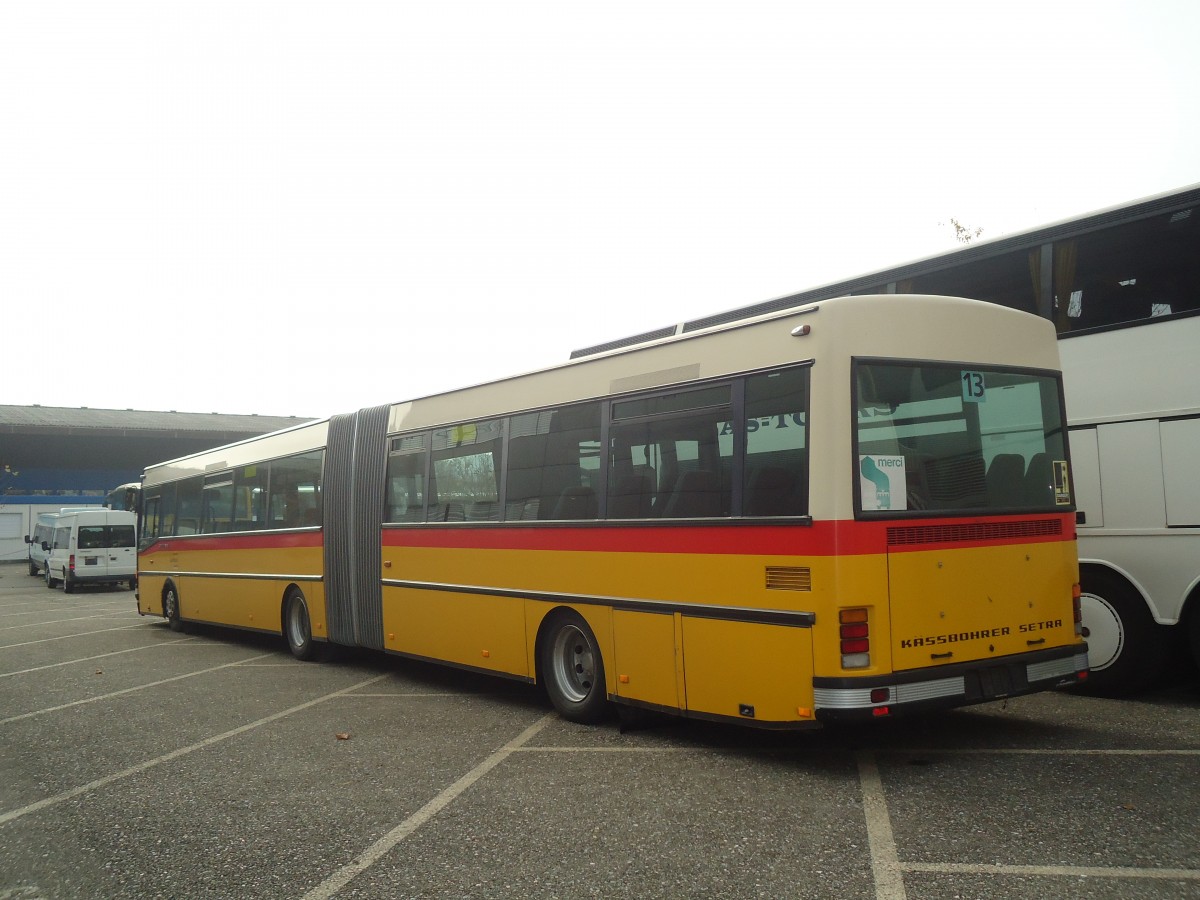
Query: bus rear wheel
[297, 627]
[1126, 648]
[572, 669]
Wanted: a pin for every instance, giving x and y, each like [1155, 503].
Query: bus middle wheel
[572, 669]
[297, 627]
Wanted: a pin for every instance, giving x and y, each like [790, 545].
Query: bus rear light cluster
[1076, 593]
[855, 633]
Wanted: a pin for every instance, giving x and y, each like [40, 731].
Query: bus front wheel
[573, 670]
[171, 608]
[1126, 648]
[1194, 634]
[297, 627]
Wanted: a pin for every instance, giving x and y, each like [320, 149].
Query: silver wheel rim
[298, 630]
[1104, 629]
[573, 660]
[170, 607]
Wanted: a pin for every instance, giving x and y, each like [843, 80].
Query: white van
[92, 546]
[43, 531]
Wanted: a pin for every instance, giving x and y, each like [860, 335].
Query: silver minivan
[93, 546]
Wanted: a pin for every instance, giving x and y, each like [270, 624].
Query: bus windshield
[935, 438]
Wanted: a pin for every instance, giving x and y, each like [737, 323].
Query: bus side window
[295, 500]
[188, 510]
[406, 478]
[776, 473]
[218, 503]
[466, 469]
[150, 519]
[669, 457]
[250, 498]
[553, 463]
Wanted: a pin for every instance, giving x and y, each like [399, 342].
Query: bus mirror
[28, 539]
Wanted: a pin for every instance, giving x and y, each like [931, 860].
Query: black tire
[1127, 649]
[297, 627]
[1194, 633]
[68, 584]
[572, 669]
[33, 568]
[171, 608]
[51, 581]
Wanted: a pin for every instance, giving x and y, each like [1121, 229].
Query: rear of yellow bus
[957, 576]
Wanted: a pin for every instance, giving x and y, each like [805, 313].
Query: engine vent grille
[973, 532]
[789, 578]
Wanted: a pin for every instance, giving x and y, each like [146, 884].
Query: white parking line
[1054, 871]
[98, 615]
[9, 816]
[71, 662]
[381, 847]
[130, 690]
[67, 637]
[885, 862]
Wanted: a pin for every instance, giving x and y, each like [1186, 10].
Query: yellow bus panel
[644, 658]
[748, 670]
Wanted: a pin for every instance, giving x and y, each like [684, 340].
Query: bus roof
[839, 327]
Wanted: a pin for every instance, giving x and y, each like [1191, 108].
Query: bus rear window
[104, 537]
[935, 438]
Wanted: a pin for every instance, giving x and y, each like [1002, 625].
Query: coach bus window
[1142, 270]
[295, 484]
[250, 497]
[188, 509]
[937, 438]
[775, 479]
[553, 464]
[465, 469]
[406, 478]
[1009, 280]
[666, 458]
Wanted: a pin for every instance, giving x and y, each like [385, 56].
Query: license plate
[995, 682]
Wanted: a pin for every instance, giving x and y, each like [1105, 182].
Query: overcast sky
[303, 208]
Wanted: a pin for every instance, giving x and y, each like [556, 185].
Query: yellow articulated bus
[848, 510]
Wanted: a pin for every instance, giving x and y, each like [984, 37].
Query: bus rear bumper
[862, 699]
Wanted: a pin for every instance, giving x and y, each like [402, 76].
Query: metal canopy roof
[67, 420]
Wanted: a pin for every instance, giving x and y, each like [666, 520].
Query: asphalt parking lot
[137, 762]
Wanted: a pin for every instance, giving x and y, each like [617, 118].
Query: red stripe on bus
[818, 539]
[848, 538]
[247, 541]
